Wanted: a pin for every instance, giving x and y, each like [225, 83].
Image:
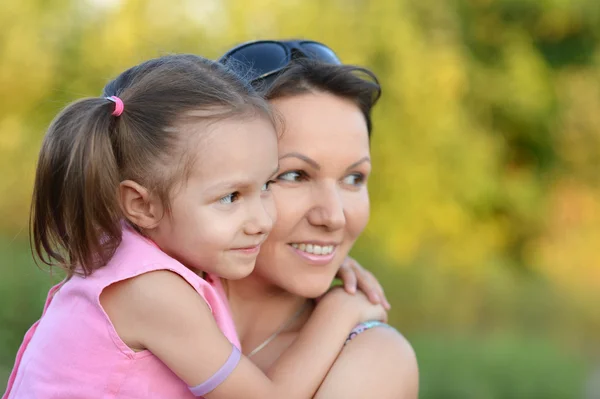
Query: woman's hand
[357, 306]
[353, 275]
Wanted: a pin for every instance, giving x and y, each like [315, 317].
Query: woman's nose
[328, 209]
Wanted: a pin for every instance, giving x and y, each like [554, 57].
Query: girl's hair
[87, 152]
[304, 75]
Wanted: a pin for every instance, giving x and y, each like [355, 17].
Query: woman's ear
[139, 206]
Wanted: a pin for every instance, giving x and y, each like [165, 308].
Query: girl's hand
[353, 275]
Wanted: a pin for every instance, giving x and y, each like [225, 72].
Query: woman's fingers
[348, 276]
[354, 277]
[370, 286]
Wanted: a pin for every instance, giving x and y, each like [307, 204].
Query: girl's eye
[230, 198]
[292, 176]
[267, 185]
[355, 179]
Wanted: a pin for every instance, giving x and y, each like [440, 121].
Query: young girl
[136, 196]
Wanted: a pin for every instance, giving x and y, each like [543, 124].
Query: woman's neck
[259, 308]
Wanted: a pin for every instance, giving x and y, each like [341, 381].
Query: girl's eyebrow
[235, 185]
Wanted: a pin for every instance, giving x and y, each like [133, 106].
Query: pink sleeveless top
[74, 352]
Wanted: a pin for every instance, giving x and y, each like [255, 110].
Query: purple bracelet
[221, 375]
[364, 327]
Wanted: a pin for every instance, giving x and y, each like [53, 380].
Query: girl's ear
[139, 206]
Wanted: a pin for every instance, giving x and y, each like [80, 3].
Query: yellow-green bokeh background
[485, 192]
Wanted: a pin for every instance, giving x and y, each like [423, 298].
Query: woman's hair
[87, 152]
[303, 75]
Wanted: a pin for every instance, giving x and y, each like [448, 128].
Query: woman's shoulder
[383, 343]
[379, 362]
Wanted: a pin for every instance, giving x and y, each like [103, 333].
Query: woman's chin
[309, 288]
[298, 276]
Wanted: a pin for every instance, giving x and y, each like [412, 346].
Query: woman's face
[320, 192]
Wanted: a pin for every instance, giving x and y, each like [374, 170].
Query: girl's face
[320, 192]
[223, 213]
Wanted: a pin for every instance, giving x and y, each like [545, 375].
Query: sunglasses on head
[259, 60]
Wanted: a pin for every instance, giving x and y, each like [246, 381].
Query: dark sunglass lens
[320, 52]
[257, 59]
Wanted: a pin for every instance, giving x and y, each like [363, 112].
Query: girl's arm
[161, 312]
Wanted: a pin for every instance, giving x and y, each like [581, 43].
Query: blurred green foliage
[485, 191]
[496, 367]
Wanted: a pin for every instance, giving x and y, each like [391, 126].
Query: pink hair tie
[119, 106]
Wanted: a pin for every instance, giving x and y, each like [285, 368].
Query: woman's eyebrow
[355, 164]
[302, 157]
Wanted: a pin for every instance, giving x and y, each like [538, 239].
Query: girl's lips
[318, 260]
[248, 250]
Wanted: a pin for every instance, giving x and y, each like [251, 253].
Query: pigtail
[75, 216]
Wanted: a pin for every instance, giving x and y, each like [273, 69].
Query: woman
[323, 206]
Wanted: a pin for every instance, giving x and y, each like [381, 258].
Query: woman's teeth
[314, 249]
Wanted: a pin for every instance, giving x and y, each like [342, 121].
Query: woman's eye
[292, 176]
[355, 179]
[267, 185]
[230, 198]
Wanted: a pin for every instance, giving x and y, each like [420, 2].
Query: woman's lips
[314, 253]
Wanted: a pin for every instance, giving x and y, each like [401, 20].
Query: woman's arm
[378, 363]
[161, 312]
